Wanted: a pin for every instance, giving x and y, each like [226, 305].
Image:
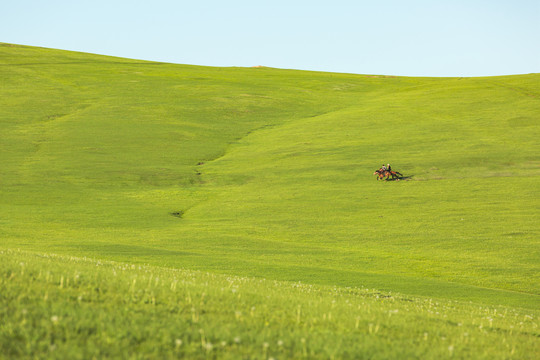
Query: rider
[388, 167]
[383, 168]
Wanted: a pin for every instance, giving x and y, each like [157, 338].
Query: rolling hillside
[268, 173]
[211, 177]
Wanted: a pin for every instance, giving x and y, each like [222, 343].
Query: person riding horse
[386, 171]
[381, 173]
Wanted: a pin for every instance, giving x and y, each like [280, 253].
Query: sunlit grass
[249, 176]
[66, 307]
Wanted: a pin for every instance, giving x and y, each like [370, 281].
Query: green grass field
[260, 173]
[67, 308]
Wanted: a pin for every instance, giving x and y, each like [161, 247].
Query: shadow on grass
[404, 178]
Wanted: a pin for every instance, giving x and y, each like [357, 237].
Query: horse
[381, 174]
[395, 174]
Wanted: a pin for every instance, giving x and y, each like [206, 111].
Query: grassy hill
[267, 173]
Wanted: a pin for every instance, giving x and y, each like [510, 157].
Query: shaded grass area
[59, 307]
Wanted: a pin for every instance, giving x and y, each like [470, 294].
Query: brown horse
[395, 174]
[381, 174]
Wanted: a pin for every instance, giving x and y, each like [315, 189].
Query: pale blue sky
[411, 37]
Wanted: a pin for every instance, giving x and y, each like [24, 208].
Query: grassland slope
[268, 172]
[59, 307]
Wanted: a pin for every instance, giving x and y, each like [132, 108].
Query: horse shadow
[404, 178]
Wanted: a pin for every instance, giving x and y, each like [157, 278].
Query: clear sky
[408, 37]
